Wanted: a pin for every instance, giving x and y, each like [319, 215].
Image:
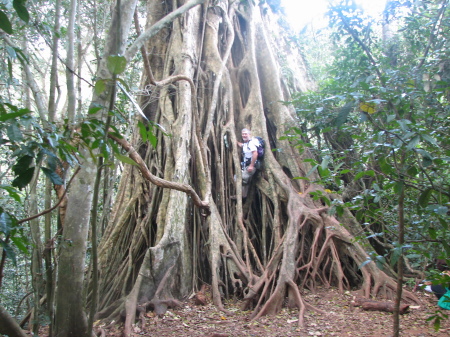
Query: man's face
[245, 136]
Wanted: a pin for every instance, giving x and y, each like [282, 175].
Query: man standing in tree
[249, 158]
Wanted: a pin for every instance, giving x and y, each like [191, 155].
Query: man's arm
[251, 167]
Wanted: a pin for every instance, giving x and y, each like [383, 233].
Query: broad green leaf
[142, 131]
[424, 198]
[312, 170]
[100, 87]
[9, 251]
[390, 118]
[14, 133]
[343, 115]
[94, 108]
[152, 138]
[13, 193]
[427, 159]
[325, 161]
[443, 223]
[432, 233]
[364, 263]
[398, 187]
[125, 159]
[429, 139]
[53, 176]
[117, 64]
[6, 223]
[5, 24]
[412, 171]
[23, 179]
[324, 173]
[12, 115]
[22, 164]
[21, 243]
[386, 168]
[300, 178]
[11, 52]
[21, 10]
[413, 142]
[52, 162]
[105, 150]
[370, 173]
[396, 253]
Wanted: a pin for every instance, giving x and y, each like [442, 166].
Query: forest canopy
[121, 180]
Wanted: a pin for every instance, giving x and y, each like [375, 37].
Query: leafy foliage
[380, 126]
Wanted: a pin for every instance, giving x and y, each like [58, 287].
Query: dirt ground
[341, 319]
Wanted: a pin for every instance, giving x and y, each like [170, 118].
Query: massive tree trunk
[159, 245]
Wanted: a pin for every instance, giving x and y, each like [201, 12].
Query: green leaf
[23, 179]
[390, 118]
[125, 159]
[9, 251]
[325, 161]
[12, 115]
[398, 187]
[116, 64]
[443, 223]
[142, 131]
[6, 223]
[14, 133]
[100, 87]
[20, 242]
[343, 114]
[385, 167]
[13, 193]
[22, 164]
[53, 176]
[152, 138]
[21, 10]
[432, 233]
[370, 173]
[364, 263]
[427, 159]
[424, 198]
[5, 24]
[52, 162]
[312, 170]
[429, 139]
[95, 107]
[413, 142]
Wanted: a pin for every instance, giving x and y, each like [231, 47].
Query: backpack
[444, 301]
[261, 147]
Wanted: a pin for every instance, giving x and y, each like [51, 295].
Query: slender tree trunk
[70, 62]
[70, 317]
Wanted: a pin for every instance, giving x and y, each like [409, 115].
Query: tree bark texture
[8, 326]
[265, 248]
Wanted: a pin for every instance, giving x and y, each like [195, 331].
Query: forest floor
[341, 319]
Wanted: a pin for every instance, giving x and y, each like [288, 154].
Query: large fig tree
[179, 219]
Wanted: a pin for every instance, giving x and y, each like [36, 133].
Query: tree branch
[52, 208]
[154, 179]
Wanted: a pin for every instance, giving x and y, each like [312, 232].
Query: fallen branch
[367, 304]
